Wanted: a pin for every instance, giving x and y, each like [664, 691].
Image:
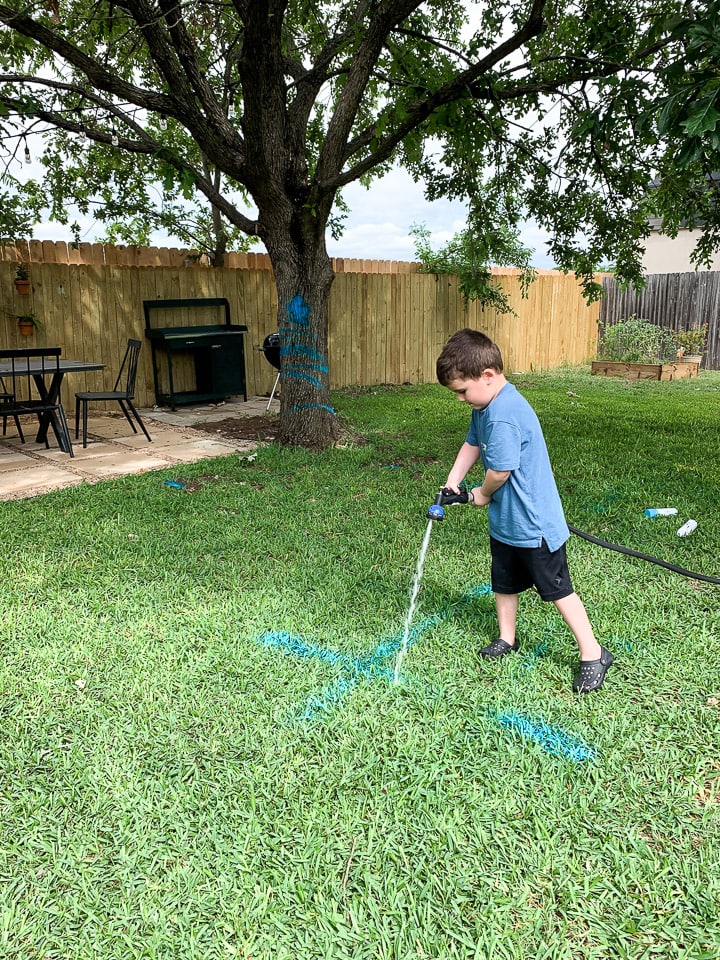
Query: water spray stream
[413, 601]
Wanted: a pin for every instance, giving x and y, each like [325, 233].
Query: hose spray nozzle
[436, 511]
[446, 497]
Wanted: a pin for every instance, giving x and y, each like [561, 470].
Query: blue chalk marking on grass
[319, 703]
[606, 503]
[289, 643]
[536, 654]
[554, 740]
[354, 669]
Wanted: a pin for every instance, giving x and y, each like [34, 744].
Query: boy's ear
[488, 374]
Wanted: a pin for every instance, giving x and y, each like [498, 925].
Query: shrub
[692, 340]
[637, 341]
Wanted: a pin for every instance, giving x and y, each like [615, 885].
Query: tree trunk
[303, 282]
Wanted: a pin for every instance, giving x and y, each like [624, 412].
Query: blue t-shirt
[527, 508]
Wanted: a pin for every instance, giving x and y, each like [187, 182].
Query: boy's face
[478, 392]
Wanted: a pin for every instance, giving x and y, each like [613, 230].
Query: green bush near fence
[637, 341]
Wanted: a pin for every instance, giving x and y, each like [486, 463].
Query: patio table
[48, 381]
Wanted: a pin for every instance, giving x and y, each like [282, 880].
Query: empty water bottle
[660, 511]
[687, 528]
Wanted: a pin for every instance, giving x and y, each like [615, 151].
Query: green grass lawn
[204, 756]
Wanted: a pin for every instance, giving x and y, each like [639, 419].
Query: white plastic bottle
[687, 528]
[660, 512]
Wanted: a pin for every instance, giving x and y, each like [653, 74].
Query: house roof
[656, 223]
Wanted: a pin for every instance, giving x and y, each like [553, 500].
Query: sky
[377, 228]
[381, 218]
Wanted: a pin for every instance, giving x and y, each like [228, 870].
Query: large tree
[532, 108]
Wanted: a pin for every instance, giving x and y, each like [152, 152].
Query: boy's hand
[451, 498]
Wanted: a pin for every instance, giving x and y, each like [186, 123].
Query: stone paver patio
[29, 469]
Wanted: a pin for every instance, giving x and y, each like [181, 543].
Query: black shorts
[515, 569]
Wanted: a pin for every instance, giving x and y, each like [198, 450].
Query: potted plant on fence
[691, 342]
[27, 323]
[22, 278]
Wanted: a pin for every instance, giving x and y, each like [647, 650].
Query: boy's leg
[506, 605]
[509, 579]
[595, 660]
[575, 616]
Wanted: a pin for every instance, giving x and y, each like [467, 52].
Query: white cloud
[381, 217]
[378, 226]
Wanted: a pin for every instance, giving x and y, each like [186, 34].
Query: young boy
[526, 520]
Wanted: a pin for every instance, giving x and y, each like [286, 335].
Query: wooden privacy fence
[674, 300]
[384, 327]
[111, 255]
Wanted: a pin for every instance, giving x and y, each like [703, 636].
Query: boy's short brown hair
[466, 354]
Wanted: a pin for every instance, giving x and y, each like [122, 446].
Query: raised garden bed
[644, 371]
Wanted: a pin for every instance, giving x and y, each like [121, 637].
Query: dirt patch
[242, 428]
[264, 429]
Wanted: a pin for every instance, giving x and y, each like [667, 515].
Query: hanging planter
[22, 279]
[27, 324]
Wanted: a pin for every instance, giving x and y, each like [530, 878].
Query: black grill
[271, 349]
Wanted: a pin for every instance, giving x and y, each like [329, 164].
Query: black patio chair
[39, 366]
[7, 399]
[121, 394]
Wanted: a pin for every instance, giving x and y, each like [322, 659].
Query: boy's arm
[467, 457]
[493, 480]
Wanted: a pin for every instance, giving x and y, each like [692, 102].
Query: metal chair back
[128, 370]
[32, 365]
[123, 393]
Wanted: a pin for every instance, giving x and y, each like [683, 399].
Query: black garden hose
[643, 556]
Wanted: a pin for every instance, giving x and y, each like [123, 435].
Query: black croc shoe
[592, 672]
[498, 648]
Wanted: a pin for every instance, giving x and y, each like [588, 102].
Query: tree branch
[98, 75]
[418, 113]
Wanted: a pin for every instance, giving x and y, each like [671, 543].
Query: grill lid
[271, 349]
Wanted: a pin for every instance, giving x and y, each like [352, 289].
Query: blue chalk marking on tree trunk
[298, 311]
[300, 350]
[301, 358]
[302, 376]
[554, 740]
[311, 406]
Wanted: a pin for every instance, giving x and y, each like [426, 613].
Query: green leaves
[704, 117]
[470, 255]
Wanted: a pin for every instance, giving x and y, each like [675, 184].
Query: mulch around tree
[242, 428]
